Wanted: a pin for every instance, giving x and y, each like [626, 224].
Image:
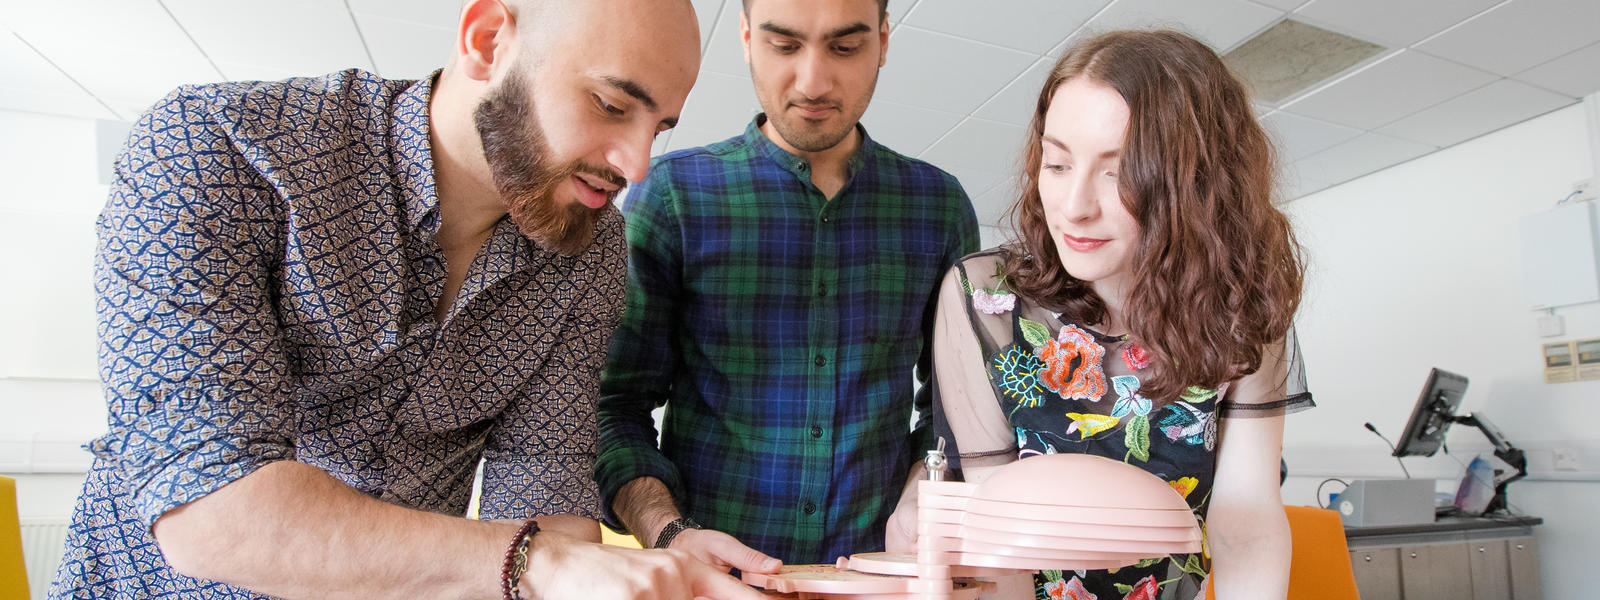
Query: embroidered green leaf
[1052, 574]
[966, 285]
[1192, 565]
[1123, 588]
[1147, 562]
[1137, 437]
[1035, 332]
[1197, 394]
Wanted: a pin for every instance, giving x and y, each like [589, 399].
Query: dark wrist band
[516, 561]
[672, 530]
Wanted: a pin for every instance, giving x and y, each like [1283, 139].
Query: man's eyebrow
[771, 27]
[847, 30]
[632, 88]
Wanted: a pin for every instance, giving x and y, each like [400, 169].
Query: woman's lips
[1083, 244]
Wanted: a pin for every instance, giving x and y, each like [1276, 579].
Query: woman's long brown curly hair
[1216, 271]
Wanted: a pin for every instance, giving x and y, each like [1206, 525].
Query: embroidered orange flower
[1184, 485]
[1072, 365]
[1068, 590]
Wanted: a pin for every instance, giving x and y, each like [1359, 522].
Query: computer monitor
[1432, 415]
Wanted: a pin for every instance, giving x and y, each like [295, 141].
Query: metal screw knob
[936, 462]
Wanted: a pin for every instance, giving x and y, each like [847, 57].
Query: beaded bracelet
[516, 562]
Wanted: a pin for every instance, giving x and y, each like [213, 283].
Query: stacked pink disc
[1059, 511]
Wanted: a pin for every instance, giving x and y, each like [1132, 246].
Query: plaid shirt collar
[800, 167]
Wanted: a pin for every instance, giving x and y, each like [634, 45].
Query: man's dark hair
[883, 9]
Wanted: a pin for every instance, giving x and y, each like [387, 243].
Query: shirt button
[810, 508]
[822, 290]
[820, 360]
[816, 431]
[827, 219]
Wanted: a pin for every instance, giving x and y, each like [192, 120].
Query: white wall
[1419, 266]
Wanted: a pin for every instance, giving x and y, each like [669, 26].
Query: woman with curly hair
[1142, 313]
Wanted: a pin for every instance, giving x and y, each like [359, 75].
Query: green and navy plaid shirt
[781, 330]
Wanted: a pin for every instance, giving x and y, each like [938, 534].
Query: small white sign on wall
[1559, 257]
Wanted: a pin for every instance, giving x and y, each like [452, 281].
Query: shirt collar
[412, 152]
[797, 166]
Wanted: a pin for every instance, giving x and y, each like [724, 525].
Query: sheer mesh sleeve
[1272, 391]
[966, 412]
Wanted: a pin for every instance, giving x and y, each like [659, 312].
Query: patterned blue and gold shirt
[266, 283]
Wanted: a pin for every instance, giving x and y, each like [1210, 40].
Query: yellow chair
[1320, 568]
[13, 572]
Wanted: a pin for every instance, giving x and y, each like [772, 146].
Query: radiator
[42, 540]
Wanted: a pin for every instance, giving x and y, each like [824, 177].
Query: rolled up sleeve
[189, 344]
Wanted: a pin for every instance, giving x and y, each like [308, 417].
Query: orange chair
[1320, 569]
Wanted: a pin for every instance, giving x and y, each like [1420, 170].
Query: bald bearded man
[323, 301]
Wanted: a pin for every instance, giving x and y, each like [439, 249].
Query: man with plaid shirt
[780, 302]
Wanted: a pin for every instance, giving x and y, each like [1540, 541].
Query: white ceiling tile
[1029, 25]
[30, 83]
[1221, 24]
[306, 37]
[1397, 86]
[429, 13]
[1576, 74]
[991, 206]
[250, 72]
[978, 144]
[706, 12]
[946, 73]
[1390, 23]
[1475, 113]
[137, 54]
[1520, 34]
[725, 53]
[1015, 104]
[906, 129]
[975, 182]
[1282, 4]
[405, 49]
[1294, 185]
[1298, 137]
[720, 103]
[1367, 153]
[898, 9]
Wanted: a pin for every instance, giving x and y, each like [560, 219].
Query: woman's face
[1082, 149]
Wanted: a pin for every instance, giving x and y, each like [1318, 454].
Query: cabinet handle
[1369, 558]
[1480, 548]
[1519, 546]
[1413, 555]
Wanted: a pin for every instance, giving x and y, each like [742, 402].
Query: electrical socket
[1564, 459]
